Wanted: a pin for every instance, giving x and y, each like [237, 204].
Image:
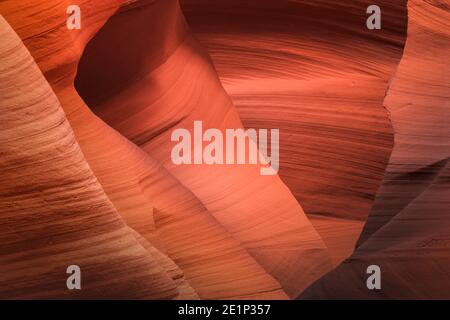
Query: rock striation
[407, 233]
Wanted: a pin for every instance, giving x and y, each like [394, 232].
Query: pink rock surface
[408, 231]
[149, 199]
[171, 84]
[85, 147]
[313, 70]
[53, 211]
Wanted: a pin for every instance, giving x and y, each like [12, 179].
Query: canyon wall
[172, 83]
[53, 211]
[146, 196]
[407, 233]
[86, 139]
[313, 70]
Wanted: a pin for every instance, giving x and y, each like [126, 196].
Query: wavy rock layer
[53, 211]
[165, 214]
[112, 201]
[312, 69]
[170, 84]
[408, 231]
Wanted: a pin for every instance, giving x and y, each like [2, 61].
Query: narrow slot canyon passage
[100, 116]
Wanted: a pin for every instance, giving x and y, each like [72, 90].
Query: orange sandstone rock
[53, 211]
[171, 84]
[313, 70]
[149, 199]
[408, 231]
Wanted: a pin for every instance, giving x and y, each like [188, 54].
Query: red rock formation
[142, 227]
[312, 69]
[174, 87]
[408, 231]
[142, 190]
[53, 211]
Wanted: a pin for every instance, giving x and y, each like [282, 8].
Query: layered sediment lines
[175, 87]
[53, 211]
[193, 248]
[85, 147]
[408, 230]
[313, 70]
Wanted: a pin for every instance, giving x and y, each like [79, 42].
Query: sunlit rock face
[170, 84]
[147, 197]
[88, 176]
[53, 211]
[407, 233]
[312, 69]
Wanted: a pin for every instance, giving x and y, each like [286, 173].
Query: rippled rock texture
[312, 69]
[408, 230]
[54, 213]
[147, 197]
[85, 146]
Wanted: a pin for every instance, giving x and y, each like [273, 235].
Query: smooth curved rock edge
[313, 70]
[70, 195]
[408, 231]
[153, 88]
[53, 211]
